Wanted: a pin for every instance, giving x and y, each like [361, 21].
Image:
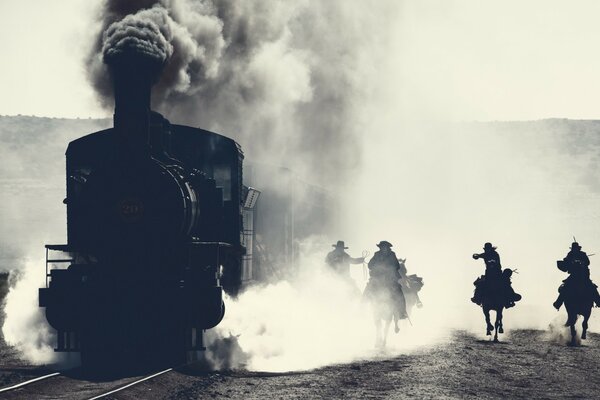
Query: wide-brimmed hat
[339, 244]
[575, 245]
[488, 246]
[384, 243]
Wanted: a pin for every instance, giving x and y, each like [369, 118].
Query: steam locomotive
[154, 227]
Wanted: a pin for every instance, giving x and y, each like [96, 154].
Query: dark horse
[578, 302]
[494, 298]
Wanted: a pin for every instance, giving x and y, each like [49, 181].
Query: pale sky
[458, 59]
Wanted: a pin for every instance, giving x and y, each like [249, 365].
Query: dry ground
[527, 364]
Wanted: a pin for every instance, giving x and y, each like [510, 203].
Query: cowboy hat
[339, 244]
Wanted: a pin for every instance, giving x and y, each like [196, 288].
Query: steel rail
[22, 384]
[131, 384]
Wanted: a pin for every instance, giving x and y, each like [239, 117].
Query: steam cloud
[282, 78]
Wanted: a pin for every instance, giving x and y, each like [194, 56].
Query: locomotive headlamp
[251, 197]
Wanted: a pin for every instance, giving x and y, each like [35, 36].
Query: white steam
[25, 326]
[316, 320]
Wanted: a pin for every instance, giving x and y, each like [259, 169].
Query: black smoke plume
[286, 79]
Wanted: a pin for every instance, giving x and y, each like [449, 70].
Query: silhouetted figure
[493, 278]
[384, 293]
[577, 292]
[384, 281]
[493, 290]
[340, 261]
[576, 263]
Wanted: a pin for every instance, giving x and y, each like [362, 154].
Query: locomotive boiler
[153, 233]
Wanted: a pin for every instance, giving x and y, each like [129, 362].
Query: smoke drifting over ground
[283, 78]
[314, 320]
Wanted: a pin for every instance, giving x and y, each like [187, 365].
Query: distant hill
[32, 168]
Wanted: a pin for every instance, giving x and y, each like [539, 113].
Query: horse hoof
[500, 330]
[583, 336]
[489, 333]
[396, 329]
[496, 340]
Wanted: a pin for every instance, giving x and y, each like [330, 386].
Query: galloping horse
[578, 302]
[384, 307]
[494, 298]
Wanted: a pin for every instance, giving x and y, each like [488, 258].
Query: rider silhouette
[384, 269]
[576, 263]
[493, 274]
[340, 261]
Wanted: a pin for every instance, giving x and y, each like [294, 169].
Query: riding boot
[559, 302]
[419, 303]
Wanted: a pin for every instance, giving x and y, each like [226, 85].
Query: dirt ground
[528, 364]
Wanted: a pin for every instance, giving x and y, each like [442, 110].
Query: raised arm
[358, 260]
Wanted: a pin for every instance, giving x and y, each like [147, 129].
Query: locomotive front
[153, 228]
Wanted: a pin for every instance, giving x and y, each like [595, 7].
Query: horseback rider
[384, 272]
[493, 276]
[340, 261]
[576, 263]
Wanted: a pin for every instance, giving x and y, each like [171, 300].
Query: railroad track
[64, 387]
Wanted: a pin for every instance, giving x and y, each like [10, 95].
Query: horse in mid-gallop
[578, 302]
[493, 299]
[387, 300]
[383, 308]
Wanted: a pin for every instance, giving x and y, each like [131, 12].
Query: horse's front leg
[499, 316]
[377, 332]
[386, 329]
[489, 327]
[396, 327]
[584, 325]
[573, 335]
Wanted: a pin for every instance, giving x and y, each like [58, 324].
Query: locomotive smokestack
[136, 49]
[133, 76]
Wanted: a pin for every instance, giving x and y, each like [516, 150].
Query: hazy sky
[461, 59]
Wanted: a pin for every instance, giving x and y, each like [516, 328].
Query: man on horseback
[385, 274]
[493, 277]
[340, 261]
[576, 263]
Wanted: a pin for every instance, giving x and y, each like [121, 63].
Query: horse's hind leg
[396, 328]
[489, 327]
